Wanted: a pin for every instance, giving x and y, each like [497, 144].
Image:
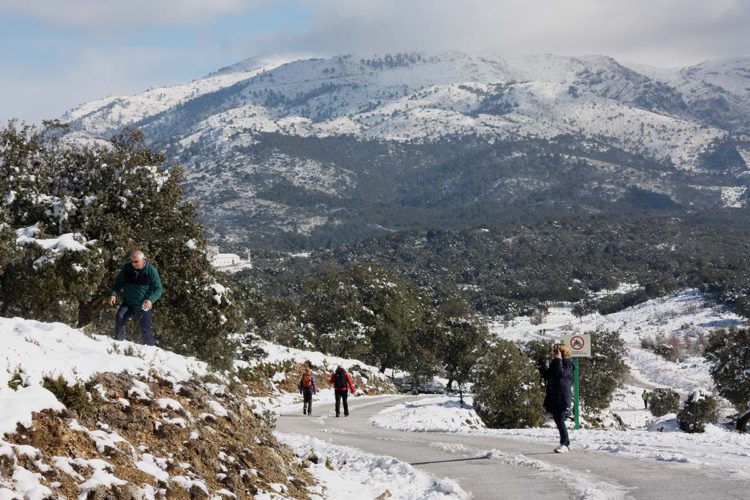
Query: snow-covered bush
[70, 216]
[728, 352]
[700, 408]
[663, 400]
[508, 389]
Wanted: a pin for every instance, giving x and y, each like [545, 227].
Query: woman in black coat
[559, 375]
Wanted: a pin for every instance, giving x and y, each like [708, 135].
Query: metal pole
[575, 391]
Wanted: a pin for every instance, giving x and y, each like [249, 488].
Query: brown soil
[236, 453]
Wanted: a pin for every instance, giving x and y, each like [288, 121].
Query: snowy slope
[686, 314]
[426, 97]
[162, 429]
[303, 148]
[103, 117]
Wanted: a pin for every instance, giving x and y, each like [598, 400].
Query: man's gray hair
[138, 254]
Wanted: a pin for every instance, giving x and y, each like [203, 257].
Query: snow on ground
[684, 314]
[424, 415]
[278, 354]
[356, 474]
[717, 448]
[282, 402]
[32, 350]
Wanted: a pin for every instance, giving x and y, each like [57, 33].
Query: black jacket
[559, 376]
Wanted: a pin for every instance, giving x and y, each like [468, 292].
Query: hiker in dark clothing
[141, 284]
[342, 382]
[558, 375]
[307, 387]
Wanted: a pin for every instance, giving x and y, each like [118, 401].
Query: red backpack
[306, 380]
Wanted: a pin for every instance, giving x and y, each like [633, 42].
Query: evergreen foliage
[700, 408]
[728, 351]
[109, 199]
[508, 390]
[502, 268]
[332, 304]
[604, 371]
[391, 310]
[461, 340]
[663, 400]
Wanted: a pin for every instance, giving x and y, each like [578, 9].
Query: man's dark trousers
[342, 395]
[144, 321]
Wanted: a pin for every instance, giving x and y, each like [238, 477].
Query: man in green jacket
[141, 284]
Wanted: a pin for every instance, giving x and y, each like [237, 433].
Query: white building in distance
[225, 260]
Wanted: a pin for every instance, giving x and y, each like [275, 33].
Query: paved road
[514, 468]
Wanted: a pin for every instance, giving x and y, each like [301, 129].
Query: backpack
[306, 381]
[340, 380]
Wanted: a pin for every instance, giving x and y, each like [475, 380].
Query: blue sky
[55, 54]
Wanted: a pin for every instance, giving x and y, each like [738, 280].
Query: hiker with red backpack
[342, 382]
[307, 387]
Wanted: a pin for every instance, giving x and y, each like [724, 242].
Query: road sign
[579, 344]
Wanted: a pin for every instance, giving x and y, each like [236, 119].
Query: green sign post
[575, 392]
[580, 347]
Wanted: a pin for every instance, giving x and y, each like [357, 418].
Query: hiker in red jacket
[342, 382]
[307, 387]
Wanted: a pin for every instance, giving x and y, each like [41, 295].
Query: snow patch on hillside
[685, 313]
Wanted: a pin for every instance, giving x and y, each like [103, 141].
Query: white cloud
[661, 32]
[101, 14]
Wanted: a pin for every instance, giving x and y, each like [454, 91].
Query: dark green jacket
[139, 285]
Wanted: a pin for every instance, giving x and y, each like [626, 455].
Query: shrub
[110, 200]
[604, 371]
[508, 389]
[663, 401]
[700, 408]
[78, 397]
[728, 351]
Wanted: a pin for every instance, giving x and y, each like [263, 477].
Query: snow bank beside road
[717, 447]
[356, 474]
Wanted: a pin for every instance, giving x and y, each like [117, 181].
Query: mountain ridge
[689, 125]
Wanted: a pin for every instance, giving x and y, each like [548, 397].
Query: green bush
[79, 397]
[700, 408]
[604, 371]
[728, 352]
[663, 401]
[508, 389]
[110, 200]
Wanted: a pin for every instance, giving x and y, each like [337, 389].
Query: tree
[663, 401]
[604, 371]
[83, 209]
[332, 304]
[728, 351]
[390, 309]
[419, 356]
[461, 339]
[508, 390]
[700, 408]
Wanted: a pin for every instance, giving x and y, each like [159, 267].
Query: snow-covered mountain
[306, 146]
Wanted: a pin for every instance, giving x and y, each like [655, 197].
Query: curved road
[493, 468]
